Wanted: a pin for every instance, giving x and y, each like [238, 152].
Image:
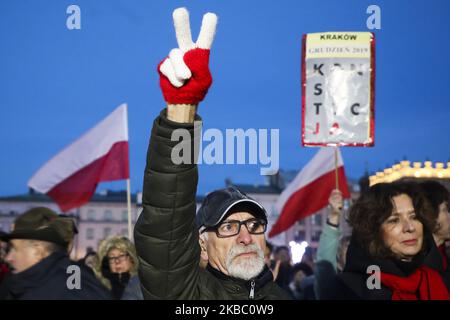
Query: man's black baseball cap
[218, 204]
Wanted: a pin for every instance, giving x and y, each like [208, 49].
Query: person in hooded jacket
[391, 255]
[117, 266]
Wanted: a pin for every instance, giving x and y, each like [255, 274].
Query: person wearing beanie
[229, 229]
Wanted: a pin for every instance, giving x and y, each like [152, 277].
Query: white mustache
[239, 249]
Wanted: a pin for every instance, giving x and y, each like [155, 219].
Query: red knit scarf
[423, 284]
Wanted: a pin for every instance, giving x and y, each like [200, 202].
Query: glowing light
[297, 250]
[404, 170]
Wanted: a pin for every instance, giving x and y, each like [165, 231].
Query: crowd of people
[402, 228]
[35, 262]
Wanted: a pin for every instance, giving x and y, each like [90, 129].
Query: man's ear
[203, 252]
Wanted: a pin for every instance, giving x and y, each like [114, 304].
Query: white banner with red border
[338, 87]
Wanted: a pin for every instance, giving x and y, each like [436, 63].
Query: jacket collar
[36, 275]
[260, 281]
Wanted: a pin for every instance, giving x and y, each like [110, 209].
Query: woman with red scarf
[392, 255]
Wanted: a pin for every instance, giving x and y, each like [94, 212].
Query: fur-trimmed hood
[115, 242]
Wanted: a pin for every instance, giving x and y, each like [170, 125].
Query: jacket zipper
[252, 290]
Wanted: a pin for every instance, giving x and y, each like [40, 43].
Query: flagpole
[130, 231]
[129, 210]
[336, 167]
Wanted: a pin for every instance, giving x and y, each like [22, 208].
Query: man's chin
[246, 268]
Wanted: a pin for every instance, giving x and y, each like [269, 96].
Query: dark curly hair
[369, 212]
[436, 194]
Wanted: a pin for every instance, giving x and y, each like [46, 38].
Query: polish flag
[101, 154]
[310, 190]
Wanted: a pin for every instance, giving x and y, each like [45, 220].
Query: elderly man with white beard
[229, 228]
[232, 227]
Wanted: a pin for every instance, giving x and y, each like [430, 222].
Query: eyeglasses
[233, 227]
[118, 259]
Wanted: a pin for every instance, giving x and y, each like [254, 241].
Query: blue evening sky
[56, 83]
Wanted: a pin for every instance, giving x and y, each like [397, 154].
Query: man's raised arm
[165, 234]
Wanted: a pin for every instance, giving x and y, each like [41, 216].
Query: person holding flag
[309, 191]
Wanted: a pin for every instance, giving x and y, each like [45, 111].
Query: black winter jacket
[47, 280]
[166, 237]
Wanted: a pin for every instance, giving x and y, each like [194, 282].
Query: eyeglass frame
[244, 222]
[118, 259]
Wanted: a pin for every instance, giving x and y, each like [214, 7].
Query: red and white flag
[310, 190]
[101, 154]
